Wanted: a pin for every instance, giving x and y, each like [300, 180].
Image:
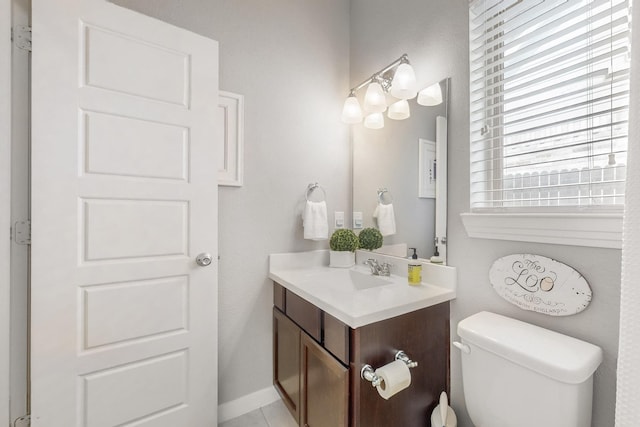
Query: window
[549, 83]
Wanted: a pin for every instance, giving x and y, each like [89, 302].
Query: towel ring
[381, 196]
[311, 188]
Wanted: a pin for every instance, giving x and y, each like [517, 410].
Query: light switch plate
[357, 220]
[338, 219]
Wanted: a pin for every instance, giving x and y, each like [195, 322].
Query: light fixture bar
[403, 58]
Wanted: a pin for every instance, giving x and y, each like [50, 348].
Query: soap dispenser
[436, 258]
[414, 274]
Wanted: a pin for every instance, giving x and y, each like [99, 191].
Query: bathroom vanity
[328, 323]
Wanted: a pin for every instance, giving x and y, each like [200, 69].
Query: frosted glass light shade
[403, 85]
[430, 96]
[399, 110]
[374, 121]
[351, 112]
[374, 99]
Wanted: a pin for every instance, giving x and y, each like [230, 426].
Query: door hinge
[21, 36]
[24, 421]
[22, 232]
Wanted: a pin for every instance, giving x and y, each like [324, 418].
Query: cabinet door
[286, 361]
[325, 387]
[424, 336]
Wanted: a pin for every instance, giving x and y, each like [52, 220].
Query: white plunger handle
[444, 408]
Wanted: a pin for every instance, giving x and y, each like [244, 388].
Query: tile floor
[273, 415]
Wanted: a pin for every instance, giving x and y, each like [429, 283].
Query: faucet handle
[373, 265]
[385, 269]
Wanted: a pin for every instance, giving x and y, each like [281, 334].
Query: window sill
[602, 230]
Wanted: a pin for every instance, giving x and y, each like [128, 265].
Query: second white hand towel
[314, 221]
[386, 219]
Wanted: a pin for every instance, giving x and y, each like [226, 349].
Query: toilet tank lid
[549, 353]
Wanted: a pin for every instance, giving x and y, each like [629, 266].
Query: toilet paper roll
[395, 377]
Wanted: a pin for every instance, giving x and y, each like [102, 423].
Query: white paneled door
[124, 198]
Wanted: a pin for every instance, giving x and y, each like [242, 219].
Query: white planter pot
[342, 259]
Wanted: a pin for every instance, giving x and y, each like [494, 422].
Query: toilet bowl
[516, 374]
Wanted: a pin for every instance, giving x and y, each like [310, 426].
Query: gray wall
[290, 60]
[434, 33]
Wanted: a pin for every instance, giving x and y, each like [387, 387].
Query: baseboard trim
[246, 404]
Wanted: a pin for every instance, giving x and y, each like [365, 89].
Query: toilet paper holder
[367, 373]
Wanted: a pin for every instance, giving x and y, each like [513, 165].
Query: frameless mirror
[403, 168]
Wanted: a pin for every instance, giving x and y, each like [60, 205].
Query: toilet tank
[519, 375]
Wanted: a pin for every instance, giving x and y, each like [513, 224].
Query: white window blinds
[549, 83]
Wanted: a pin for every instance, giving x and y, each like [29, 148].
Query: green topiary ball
[343, 239]
[370, 238]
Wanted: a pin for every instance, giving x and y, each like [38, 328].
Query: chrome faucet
[383, 269]
[373, 265]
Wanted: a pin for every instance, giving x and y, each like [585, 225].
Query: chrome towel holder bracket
[367, 373]
[311, 188]
[383, 194]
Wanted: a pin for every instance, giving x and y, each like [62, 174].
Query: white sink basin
[363, 281]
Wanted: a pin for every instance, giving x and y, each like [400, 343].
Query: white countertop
[308, 275]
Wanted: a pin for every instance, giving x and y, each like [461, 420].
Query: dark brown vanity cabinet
[313, 383]
[324, 387]
[317, 363]
[286, 361]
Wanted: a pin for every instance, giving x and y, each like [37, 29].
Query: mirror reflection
[395, 179]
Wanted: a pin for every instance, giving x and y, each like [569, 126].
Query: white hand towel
[386, 219]
[314, 220]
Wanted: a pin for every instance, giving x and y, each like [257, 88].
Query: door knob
[204, 259]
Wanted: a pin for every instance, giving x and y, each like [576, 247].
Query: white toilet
[516, 374]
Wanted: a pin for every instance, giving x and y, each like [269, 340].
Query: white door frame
[5, 203]
[14, 206]
[19, 255]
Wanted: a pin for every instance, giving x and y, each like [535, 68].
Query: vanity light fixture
[399, 110]
[374, 121]
[375, 100]
[351, 112]
[403, 85]
[430, 96]
[398, 79]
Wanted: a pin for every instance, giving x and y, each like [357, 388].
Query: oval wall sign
[540, 284]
